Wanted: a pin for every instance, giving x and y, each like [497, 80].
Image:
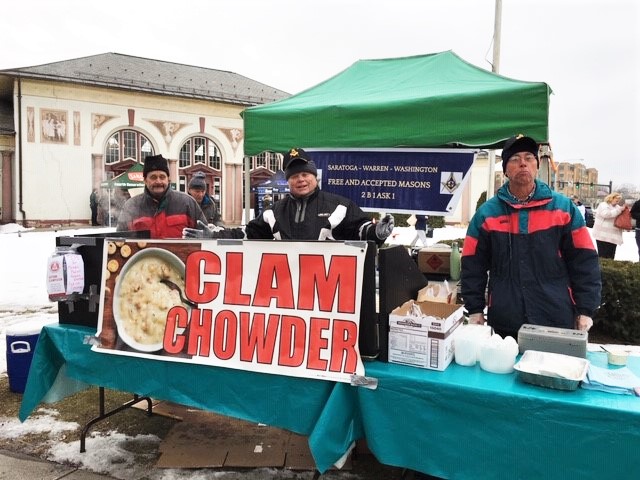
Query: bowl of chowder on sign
[141, 300]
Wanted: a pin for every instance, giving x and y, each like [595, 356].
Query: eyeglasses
[528, 157]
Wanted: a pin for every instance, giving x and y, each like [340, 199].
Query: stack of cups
[468, 340]
[498, 355]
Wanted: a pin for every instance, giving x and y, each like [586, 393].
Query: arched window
[127, 144]
[274, 161]
[269, 160]
[202, 151]
[199, 154]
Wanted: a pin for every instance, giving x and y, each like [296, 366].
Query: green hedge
[618, 317]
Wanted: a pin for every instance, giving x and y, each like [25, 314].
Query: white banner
[287, 308]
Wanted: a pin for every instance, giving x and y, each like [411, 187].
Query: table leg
[104, 414]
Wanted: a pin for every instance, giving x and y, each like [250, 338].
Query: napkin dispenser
[553, 339]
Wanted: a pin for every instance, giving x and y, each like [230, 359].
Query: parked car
[589, 217]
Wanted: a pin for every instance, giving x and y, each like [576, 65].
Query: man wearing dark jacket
[160, 209]
[532, 248]
[197, 188]
[307, 213]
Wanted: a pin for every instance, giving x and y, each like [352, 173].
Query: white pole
[495, 68]
[109, 206]
[247, 189]
[497, 26]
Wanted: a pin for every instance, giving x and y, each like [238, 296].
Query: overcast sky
[588, 51]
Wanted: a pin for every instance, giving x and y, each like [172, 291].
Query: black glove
[384, 227]
[205, 231]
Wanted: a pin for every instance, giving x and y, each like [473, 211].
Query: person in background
[579, 204]
[160, 209]
[529, 245]
[197, 188]
[307, 213]
[607, 235]
[635, 214]
[267, 202]
[94, 201]
[421, 230]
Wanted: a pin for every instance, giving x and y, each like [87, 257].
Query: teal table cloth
[462, 423]
[465, 423]
[305, 406]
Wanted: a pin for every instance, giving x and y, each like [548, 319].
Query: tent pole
[109, 207]
[247, 189]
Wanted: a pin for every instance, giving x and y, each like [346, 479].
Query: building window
[269, 160]
[185, 154]
[127, 144]
[275, 161]
[261, 160]
[200, 150]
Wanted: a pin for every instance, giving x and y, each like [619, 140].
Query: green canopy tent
[430, 101]
[132, 178]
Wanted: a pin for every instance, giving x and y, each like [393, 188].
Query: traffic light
[578, 185]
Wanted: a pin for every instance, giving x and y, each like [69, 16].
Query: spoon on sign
[175, 287]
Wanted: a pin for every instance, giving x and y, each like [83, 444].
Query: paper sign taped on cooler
[65, 275]
[75, 273]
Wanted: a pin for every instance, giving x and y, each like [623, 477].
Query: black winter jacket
[320, 216]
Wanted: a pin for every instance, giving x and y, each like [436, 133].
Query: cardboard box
[421, 334]
[434, 259]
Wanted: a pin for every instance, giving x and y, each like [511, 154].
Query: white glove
[205, 231]
[384, 227]
[476, 319]
[584, 322]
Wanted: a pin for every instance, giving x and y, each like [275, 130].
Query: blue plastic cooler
[21, 342]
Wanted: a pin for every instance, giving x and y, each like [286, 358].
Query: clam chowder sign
[288, 308]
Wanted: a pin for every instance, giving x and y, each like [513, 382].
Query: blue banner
[399, 180]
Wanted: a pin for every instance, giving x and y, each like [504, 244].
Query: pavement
[16, 466]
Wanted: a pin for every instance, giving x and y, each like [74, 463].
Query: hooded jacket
[537, 259]
[164, 218]
[210, 210]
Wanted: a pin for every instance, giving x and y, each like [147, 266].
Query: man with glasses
[528, 256]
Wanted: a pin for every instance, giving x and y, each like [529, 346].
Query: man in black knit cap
[160, 209]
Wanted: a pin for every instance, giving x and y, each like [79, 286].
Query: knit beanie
[155, 162]
[516, 144]
[198, 182]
